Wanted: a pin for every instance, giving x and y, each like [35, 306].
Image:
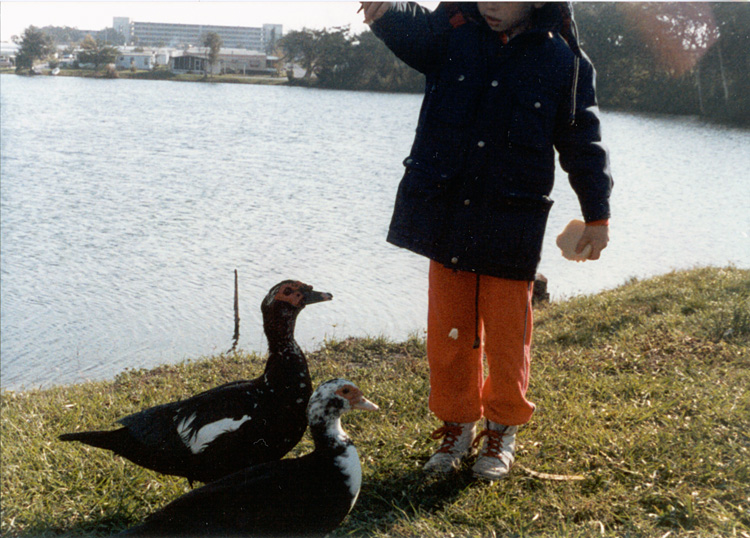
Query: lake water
[127, 206]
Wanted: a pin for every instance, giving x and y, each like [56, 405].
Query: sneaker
[498, 452]
[456, 446]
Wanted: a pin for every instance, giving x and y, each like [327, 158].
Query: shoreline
[255, 356]
[159, 74]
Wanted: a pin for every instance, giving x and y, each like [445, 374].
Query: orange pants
[499, 312]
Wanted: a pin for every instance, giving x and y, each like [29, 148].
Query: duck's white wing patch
[198, 440]
[349, 464]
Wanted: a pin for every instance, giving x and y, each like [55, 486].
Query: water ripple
[127, 205]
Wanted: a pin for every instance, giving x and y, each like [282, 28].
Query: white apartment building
[150, 34]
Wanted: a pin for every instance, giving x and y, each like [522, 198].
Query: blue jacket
[475, 194]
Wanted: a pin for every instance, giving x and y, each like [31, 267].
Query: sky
[17, 15]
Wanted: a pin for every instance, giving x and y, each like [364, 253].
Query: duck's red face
[299, 294]
[293, 293]
[356, 399]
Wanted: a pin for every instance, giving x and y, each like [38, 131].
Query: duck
[307, 495]
[232, 426]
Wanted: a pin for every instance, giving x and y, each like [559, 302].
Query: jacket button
[480, 143]
[454, 260]
[537, 105]
[461, 78]
[495, 83]
[467, 201]
[409, 161]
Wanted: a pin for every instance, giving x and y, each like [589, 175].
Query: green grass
[642, 390]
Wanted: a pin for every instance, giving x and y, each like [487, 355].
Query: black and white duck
[311, 494]
[232, 426]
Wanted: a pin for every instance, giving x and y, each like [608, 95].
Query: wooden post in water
[236, 336]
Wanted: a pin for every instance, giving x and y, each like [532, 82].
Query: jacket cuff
[600, 222]
[594, 211]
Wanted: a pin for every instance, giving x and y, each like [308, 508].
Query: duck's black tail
[110, 440]
[122, 443]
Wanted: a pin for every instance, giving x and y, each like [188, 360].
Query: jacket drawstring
[576, 68]
[477, 339]
[574, 90]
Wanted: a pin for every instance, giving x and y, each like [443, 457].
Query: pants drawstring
[477, 339]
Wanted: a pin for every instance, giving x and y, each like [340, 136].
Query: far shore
[163, 74]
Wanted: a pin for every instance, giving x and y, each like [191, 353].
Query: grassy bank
[164, 74]
[643, 391]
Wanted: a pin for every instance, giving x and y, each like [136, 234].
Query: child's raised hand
[597, 236]
[373, 10]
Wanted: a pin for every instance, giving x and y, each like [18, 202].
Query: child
[505, 84]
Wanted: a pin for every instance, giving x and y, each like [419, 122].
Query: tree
[674, 58]
[212, 41]
[111, 36]
[333, 65]
[362, 62]
[380, 69]
[340, 60]
[726, 68]
[300, 46]
[96, 53]
[641, 53]
[35, 46]
[64, 35]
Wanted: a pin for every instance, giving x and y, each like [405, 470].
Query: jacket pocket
[420, 209]
[513, 230]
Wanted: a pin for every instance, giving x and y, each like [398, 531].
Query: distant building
[149, 34]
[121, 25]
[139, 60]
[271, 34]
[239, 61]
[8, 51]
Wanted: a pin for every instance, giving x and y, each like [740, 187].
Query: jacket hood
[558, 17]
[553, 16]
